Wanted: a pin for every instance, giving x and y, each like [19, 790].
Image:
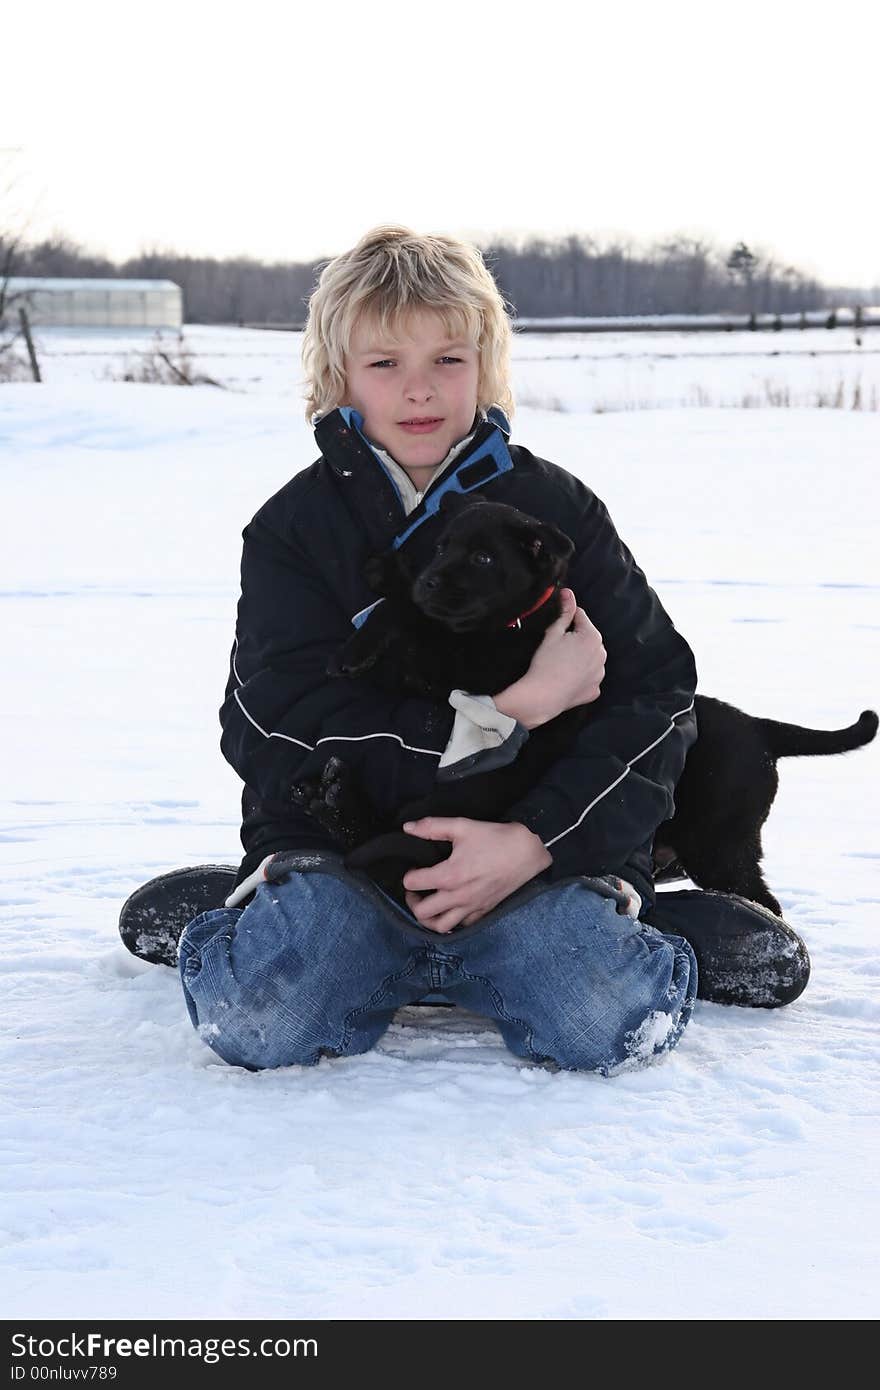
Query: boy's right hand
[566, 670]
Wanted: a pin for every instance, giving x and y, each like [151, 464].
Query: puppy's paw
[335, 802]
[304, 792]
[339, 664]
[356, 655]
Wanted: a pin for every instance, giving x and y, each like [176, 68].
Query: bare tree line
[540, 277]
[681, 275]
[238, 290]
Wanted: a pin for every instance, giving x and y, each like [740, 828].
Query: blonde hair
[391, 272]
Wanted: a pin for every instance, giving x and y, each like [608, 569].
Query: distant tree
[742, 264]
[58, 256]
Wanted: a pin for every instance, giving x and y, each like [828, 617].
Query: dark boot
[745, 954]
[153, 918]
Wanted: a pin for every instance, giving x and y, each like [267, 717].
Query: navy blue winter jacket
[301, 585]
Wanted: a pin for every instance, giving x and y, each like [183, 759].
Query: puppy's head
[491, 563]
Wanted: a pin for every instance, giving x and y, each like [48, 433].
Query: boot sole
[152, 920]
[753, 958]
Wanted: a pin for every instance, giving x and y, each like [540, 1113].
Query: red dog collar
[517, 622]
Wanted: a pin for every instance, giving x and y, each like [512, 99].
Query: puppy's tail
[792, 741]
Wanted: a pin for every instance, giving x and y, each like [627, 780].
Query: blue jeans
[319, 963]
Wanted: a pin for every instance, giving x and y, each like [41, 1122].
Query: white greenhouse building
[72, 303]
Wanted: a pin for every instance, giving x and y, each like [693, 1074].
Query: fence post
[26, 330]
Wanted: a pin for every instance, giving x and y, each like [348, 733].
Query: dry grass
[535, 401]
[842, 396]
[14, 367]
[163, 365]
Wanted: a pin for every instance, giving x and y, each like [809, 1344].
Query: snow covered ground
[438, 1176]
[553, 371]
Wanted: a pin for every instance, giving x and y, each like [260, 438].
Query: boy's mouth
[420, 426]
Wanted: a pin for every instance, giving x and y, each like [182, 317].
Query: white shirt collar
[410, 495]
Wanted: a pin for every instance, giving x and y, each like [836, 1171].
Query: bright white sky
[284, 131]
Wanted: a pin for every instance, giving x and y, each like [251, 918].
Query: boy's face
[421, 375]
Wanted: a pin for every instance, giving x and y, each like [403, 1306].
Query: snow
[552, 371]
[439, 1175]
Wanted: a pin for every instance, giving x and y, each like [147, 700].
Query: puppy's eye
[482, 557]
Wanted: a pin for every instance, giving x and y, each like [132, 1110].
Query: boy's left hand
[489, 861]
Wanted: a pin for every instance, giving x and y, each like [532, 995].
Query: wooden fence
[857, 318]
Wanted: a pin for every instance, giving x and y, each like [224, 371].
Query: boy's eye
[389, 362]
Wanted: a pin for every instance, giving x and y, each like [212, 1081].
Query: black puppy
[472, 619]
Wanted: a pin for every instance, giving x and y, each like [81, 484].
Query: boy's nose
[419, 388]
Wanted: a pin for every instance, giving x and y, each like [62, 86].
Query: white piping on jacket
[235, 668]
[330, 738]
[358, 738]
[618, 780]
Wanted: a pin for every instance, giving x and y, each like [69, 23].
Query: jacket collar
[371, 490]
[340, 437]
[410, 495]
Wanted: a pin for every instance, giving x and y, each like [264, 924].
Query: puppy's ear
[544, 542]
[383, 572]
[453, 502]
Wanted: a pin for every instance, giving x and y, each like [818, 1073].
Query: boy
[406, 355]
